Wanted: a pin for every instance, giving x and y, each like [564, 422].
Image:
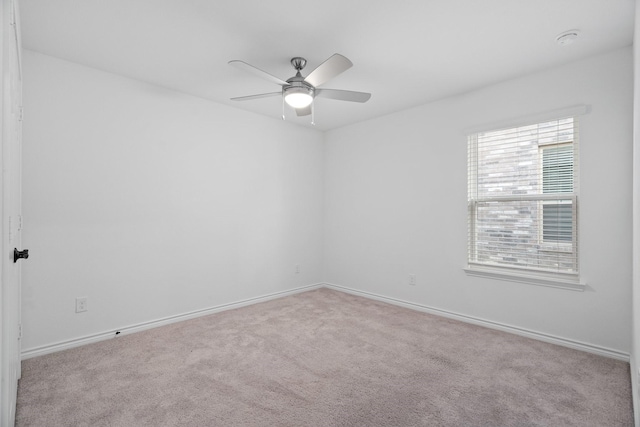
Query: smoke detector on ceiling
[567, 37]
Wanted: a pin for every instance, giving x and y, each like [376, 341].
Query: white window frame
[570, 281]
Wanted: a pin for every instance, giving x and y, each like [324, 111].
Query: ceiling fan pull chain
[313, 120]
[283, 107]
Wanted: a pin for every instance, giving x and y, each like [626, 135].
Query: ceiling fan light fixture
[298, 97]
[299, 92]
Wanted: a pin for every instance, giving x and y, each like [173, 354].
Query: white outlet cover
[81, 304]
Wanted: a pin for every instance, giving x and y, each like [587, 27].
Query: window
[557, 178]
[523, 199]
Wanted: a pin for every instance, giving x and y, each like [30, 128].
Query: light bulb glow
[298, 97]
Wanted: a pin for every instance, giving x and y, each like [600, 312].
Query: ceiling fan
[298, 91]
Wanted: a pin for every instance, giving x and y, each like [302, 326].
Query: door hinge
[19, 222]
[20, 331]
[21, 114]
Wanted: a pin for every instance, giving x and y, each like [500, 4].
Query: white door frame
[10, 187]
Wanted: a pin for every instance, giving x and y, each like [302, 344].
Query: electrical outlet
[81, 304]
[412, 279]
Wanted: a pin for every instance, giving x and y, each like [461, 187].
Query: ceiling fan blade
[262, 95]
[343, 95]
[304, 111]
[257, 71]
[330, 68]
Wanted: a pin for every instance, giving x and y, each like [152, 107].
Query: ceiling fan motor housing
[298, 93]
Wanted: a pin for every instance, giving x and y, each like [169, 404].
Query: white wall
[153, 203]
[396, 192]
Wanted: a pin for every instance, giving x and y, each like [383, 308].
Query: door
[11, 120]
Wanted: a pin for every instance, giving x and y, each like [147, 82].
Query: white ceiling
[405, 52]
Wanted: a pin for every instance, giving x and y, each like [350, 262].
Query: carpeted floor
[323, 358]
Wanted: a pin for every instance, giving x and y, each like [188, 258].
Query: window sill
[568, 283]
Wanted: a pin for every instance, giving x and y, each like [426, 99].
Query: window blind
[522, 195]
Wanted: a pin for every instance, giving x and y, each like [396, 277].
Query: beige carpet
[323, 358]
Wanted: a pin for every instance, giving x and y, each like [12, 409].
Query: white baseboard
[88, 339]
[65, 345]
[590, 348]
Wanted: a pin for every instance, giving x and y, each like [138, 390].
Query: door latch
[20, 254]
